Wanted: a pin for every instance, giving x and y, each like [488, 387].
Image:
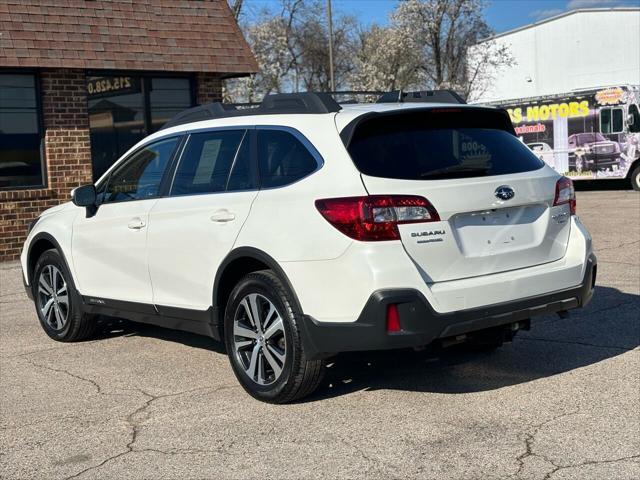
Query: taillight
[376, 217]
[565, 193]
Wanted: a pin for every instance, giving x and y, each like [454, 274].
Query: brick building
[82, 80]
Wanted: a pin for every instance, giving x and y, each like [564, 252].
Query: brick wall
[208, 89]
[67, 151]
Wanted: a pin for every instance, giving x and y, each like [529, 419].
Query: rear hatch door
[493, 195]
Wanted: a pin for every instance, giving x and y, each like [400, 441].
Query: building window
[21, 157]
[124, 109]
[167, 97]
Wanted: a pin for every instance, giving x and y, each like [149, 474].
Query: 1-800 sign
[108, 85]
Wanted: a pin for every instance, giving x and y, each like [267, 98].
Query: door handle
[136, 223]
[223, 216]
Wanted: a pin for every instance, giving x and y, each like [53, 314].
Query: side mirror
[630, 119]
[84, 196]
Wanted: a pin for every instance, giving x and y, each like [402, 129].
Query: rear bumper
[421, 324]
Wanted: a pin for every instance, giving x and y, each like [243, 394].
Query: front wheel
[264, 343]
[57, 302]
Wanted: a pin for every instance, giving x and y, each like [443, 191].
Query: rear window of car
[439, 144]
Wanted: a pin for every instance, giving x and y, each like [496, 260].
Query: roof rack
[279, 103]
[421, 96]
[305, 102]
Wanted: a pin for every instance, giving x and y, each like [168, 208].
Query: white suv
[303, 228]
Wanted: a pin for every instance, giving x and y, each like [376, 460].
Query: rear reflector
[376, 217]
[393, 318]
[565, 193]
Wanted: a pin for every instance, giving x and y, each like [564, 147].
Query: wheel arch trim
[31, 261]
[255, 254]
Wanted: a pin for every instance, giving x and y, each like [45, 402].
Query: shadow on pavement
[609, 326]
[112, 327]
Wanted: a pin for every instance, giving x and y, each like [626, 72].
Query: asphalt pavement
[561, 401]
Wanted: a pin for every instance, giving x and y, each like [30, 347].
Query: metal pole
[332, 79]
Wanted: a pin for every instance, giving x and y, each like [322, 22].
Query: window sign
[107, 86]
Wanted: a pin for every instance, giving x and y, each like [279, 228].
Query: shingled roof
[161, 35]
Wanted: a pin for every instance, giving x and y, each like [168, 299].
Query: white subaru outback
[303, 228]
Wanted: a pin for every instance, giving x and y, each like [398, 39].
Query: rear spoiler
[348, 131]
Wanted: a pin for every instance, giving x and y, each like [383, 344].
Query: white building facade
[580, 49]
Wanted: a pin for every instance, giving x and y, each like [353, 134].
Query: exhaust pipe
[563, 314]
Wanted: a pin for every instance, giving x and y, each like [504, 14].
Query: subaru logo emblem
[505, 192]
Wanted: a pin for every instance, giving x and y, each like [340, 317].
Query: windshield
[590, 138]
[439, 144]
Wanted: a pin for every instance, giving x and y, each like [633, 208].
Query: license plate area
[495, 231]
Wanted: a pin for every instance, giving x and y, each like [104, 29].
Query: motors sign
[536, 113]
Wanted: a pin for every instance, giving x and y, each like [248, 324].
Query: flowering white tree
[428, 44]
[442, 31]
[271, 41]
[484, 62]
[384, 61]
[291, 47]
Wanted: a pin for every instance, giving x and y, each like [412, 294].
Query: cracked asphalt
[560, 402]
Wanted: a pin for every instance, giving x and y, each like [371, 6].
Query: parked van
[588, 134]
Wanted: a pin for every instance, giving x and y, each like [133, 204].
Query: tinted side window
[617, 120]
[139, 177]
[635, 114]
[283, 159]
[206, 162]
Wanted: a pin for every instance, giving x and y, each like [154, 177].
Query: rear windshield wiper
[455, 171]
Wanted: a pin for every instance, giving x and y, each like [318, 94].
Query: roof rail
[305, 102]
[279, 103]
[421, 96]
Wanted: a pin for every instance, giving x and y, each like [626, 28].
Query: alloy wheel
[259, 339]
[53, 297]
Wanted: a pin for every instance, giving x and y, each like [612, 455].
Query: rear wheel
[57, 302]
[264, 341]
[635, 178]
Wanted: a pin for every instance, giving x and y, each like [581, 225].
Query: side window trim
[235, 158]
[170, 173]
[305, 143]
[119, 165]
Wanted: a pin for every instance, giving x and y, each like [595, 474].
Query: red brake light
[376, 217]
[393, 318]
[565, 193]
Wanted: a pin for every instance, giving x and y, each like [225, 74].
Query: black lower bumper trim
[421, 324]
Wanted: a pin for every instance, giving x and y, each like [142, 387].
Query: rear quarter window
[283, 159]
[439, 144]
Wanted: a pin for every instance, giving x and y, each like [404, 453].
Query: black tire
[299, 376]
[635, 178]
[77, 325]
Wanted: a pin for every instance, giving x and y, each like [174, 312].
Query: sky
[502, 15]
